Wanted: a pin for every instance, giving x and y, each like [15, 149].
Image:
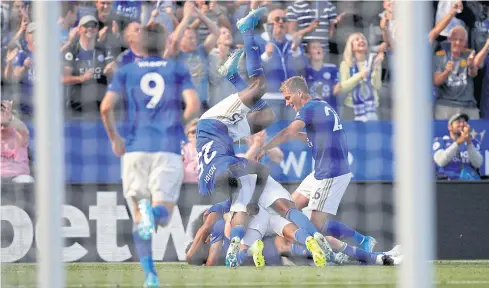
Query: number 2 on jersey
[337, 125]
[207, 159]
[155, 91]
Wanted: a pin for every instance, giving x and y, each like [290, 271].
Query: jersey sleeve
[19, 59]
[259, 106]
[437, 145]
[217, 233]
[117, 83]
[68, 58]
[221, 207]
[305, 114]
[183, 78]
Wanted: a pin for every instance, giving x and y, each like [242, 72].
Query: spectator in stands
[195, 55]
[21, 69]
[281, 57]
[481, 59]
[272, 158]
[110, 26]
[321, 77]
[67, 21]
[454, 73]
[359, 80]
[128, 9]
[163, 14]
[212, 10]
[457, 155]
[15, 140]
[133, 54]
[190, 155]
[19, 19]
[312, 20]
[84, 63]
[219, 87]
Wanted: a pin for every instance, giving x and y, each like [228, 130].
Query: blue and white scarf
[363, 98]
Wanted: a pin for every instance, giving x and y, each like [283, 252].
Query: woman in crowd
[360, 80]
[189, 152]
[15, 140]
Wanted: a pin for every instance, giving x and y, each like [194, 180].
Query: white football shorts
[158, 175]
[231, 112]
[271, 193]
[266, 224]
[324, 195]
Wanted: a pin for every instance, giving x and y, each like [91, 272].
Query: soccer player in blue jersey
[323, 189]
[238, 116]
[152, 164]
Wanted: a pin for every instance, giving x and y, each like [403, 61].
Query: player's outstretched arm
[285, 135]
[260, 120]
[214, 253]
[192, 104]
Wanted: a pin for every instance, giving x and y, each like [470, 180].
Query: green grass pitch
[448, 274]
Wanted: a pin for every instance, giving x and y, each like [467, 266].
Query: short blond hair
[294, 85]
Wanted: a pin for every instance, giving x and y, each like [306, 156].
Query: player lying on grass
[221, 171]
[212, 238]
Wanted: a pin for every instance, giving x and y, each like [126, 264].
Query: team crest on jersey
[100, 58]
[69, 56]
[463, 63]
[436, 145]
[327, 75]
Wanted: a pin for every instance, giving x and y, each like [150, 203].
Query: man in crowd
[454, 73]
[457, 155]
[312, 20]
[84, 64]
[195, 55]
[282, 57]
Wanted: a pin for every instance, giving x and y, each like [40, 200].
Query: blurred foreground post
[48, 127]
[413, 136]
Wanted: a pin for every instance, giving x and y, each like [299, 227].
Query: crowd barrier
[89, 157]
[97, 227]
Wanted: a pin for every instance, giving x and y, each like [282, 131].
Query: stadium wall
[97, 227]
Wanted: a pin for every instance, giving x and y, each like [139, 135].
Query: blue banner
[89, 157]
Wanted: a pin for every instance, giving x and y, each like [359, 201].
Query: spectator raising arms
[21, 68]
[456, 155]
[193, 54]
[454, 72]
[312, 20]
[281, 57]
[361, 79]
[15, 140]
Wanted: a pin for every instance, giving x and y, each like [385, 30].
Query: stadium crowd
[343, 49]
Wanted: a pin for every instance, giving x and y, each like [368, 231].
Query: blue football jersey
[326, 138]
[127, 57]
[150, 88]
[216, 154]
[460, 161]
[321, 83]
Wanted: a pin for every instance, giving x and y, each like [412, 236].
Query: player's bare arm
[107, 115]
[214, 252]
[285, 135]
[192, 104]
